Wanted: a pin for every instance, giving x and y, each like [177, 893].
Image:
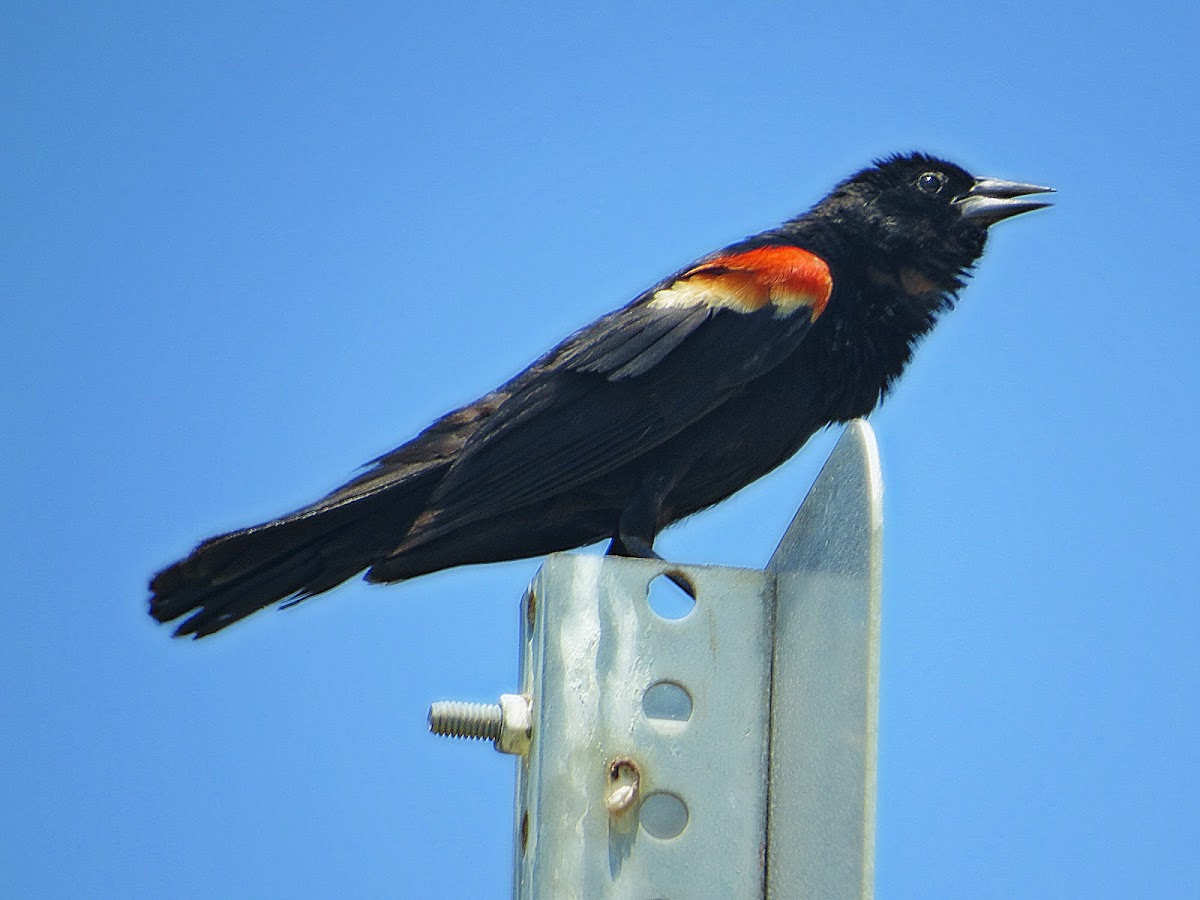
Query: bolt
[466, 720]
[507, 724]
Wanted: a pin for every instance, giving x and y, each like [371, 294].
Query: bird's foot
[633, 547]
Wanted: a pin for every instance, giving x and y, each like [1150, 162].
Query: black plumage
[696, 388]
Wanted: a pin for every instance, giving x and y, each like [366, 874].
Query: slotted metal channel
[598, 653]
[728, 751]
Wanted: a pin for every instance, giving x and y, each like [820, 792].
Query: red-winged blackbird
[702, 384]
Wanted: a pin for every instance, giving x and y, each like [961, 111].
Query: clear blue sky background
[244, 248]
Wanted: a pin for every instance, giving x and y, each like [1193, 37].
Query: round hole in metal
[668, 599]
[663, 815]
[666, 700]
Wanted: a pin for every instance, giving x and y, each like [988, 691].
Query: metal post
[726, 752]
[825, 702]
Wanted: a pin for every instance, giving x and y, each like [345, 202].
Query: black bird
[699, 386]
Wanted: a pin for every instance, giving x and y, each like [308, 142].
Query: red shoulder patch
[786, 277]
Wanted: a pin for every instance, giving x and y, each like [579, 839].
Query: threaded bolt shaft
[483, 721]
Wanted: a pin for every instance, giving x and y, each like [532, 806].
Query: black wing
[611, 393]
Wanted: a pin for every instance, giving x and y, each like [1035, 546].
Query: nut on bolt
[507, 724]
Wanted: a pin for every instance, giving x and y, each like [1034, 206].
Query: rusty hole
[624, 783]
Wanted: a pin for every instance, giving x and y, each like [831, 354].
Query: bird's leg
[638, 527]
[633, 547]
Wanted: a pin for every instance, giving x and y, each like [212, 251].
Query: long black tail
[292, 558]
[318, 547]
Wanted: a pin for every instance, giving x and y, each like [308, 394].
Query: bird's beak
[991, 200]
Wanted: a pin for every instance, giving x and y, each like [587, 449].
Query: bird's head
[918, 207]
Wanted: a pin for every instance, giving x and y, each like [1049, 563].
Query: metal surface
[724, 749]
[603, 777]
[826, 682]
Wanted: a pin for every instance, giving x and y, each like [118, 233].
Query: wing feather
[593, 406]
[631, 341]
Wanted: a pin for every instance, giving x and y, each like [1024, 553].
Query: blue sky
[245, 248]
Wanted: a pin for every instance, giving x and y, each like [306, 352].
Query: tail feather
[314, 549]
[287, 560]
[219, 606]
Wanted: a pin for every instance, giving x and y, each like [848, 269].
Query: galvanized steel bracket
[729, 752]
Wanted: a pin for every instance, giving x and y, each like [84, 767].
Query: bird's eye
[931, 182]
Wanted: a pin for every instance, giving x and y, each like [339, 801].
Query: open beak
[991, 200]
